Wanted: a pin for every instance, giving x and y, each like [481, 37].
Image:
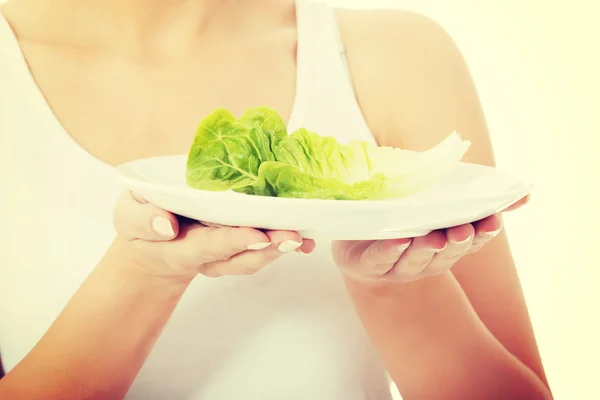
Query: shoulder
[395, 39]
[406, 68]
[388, 24]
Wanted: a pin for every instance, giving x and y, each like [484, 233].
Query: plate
[469, 193]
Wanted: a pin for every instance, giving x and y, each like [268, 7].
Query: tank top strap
[325, 98]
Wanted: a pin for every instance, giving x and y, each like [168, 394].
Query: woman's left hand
[406, 260]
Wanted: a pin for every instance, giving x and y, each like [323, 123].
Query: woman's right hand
[161, 244]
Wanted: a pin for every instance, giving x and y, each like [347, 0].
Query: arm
[465, 333]
[97, 345]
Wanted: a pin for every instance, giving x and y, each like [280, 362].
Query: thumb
[135, 218]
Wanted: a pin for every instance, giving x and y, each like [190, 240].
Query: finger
[250, 262]
[308, 246]
[199, 244]
[370, 254]
[134, 219]
[373, 258]
[245, 263]
[418, 256]
[282, 242]
[518, 204]
[459, 241]
[485, 230]
[213, 225]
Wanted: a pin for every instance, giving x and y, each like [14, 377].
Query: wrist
[125, 260]
[407, 301]
[382, 288]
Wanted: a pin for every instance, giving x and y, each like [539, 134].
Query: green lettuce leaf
[227, 153]
[255, 155]
[284, 180]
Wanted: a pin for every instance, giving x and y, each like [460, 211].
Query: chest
[120, 108]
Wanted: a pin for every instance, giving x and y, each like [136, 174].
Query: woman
[87, 85]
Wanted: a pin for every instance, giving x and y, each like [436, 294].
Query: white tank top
[287, 333]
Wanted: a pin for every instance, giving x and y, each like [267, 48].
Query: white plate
[470, 193]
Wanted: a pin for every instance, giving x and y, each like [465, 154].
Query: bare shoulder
[406, 68]
[387, 24]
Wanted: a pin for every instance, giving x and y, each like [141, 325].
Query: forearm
[436, 347]
[97, 345]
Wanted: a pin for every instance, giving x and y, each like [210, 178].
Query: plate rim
[131, 177]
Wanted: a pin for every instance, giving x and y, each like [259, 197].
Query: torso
[289, 332]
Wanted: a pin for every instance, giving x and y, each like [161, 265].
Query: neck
[151, 28]
[148, 17]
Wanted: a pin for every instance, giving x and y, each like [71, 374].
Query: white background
[536, 66]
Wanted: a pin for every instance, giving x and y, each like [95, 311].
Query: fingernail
[288, 246]
[163, 227]
[259, 246]
[492, 233]
[401, 248]
[441, 249]
[468, 239]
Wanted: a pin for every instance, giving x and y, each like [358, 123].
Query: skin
[443, 334]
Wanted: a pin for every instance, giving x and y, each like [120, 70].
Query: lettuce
[255, 155]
